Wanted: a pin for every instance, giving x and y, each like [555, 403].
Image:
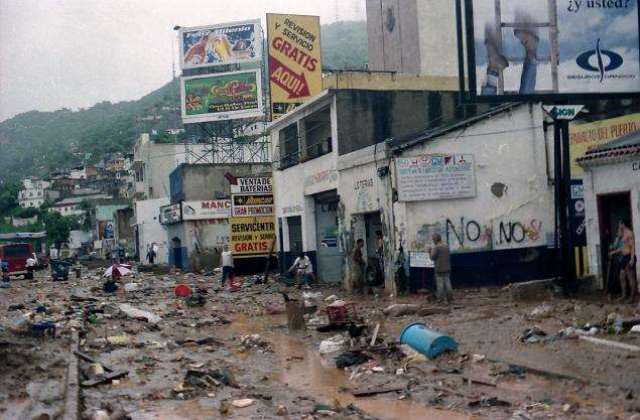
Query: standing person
[151, 255]
[616, 274]
[402, 271]
[380, 257]
[302, 269]
[357, 267]
[53, 252]
[439, 253]
[227, 264]
[628, 261]
[4, 268]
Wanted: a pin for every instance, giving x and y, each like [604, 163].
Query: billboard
[295, 63]
[552, 49]
[206, 209]
[253, 185]
[253, 205]
[583, 137]
[436, 177]
[214, 45]
[221, 96]
[252, 236]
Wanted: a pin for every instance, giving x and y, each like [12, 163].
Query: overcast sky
[74, 53]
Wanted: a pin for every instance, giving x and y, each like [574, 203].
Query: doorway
[611, 209]
[294, 225]
[375, 267]
[329, 255]
[177, 252]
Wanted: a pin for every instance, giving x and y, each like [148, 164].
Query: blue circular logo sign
[615, 60]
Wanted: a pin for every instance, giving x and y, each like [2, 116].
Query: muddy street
[145, 353]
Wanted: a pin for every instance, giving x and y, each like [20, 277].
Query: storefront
[612, 195]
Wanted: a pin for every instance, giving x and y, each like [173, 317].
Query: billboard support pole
[569, 263]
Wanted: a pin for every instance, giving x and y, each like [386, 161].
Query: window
[317, 134]
[289, 150]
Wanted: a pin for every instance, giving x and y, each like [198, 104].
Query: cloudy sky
[74, 53]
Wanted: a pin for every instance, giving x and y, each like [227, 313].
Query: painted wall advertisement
[583, 137]
[436, 177]
[215, 45]
[295, 69]
[206, 209]
[253, 205]
[252, 236]
[221, 96]
[595, 48]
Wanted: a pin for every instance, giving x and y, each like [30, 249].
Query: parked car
[16, 256]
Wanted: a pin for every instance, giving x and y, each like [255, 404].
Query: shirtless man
[628, 253]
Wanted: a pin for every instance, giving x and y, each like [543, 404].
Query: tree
[8, 196]
[59, 227]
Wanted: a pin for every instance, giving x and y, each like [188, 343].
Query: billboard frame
[467, 74]
[231, 115]
[257, 24]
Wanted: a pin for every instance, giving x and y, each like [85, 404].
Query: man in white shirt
[302, 269]
[227, 264]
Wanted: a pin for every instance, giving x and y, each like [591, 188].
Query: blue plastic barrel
[428, 342]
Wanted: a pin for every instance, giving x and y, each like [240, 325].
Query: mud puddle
[303, 369]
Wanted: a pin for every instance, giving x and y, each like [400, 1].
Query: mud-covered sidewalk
[146, 353]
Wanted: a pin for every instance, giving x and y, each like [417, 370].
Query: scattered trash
[255, 341]
[246, 402]
[489, 402]
[543, 311]
[400, 309]
[182, 290]
[478, 358]
[136, 313]
[426, 341]
[350, 358]
[282, 410]
[334, 344]
[533, 335]
[131, 287]
[330, 299]
[609, 343]
[635, 329]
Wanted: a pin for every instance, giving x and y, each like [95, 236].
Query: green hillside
[36, 143]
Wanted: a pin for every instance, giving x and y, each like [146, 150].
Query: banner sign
[252, 236]
[221, 96]
[552, 49]
[436, 177]
[170, 214]
[583, 137]
[253, 205]
[295, 68]
[233, 43]
[253, 185]
[207, 209]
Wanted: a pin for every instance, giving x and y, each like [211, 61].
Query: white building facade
[32, 193]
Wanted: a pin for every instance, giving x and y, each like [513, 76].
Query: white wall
[623, 176]
[509, 149]
[149, 228]
[438, 43]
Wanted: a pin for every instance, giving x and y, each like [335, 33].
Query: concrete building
[71, 206]
[197, 219]
[149, 230]
[413, 36]
[153, 162]
[344, 147]
[32, 193]
[611, 193]
[310, 143]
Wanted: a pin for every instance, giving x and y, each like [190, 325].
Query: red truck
[15, 256]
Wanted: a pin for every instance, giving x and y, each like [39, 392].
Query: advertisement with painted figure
[554, 47]
[221, 96]
[215, 45]
[585, 136]
[295, 61]
[436, 177]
